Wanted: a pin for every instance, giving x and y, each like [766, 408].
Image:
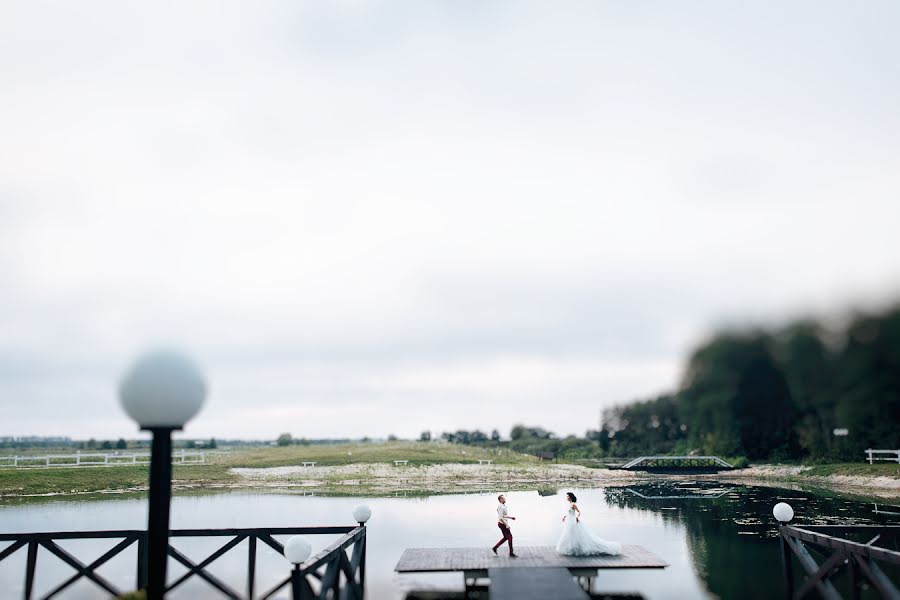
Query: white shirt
[502, 513]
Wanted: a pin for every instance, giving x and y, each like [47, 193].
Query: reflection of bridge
[711, 496]
[676, 463]
[881, 511]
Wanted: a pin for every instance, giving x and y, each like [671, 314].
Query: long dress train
[577, 540]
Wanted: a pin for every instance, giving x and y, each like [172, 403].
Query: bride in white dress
[577, 540]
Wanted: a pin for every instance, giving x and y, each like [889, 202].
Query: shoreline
[382, 479]
[881, 486]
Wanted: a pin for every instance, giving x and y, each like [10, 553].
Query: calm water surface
[719, 539]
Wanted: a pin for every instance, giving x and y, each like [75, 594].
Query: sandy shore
[771, 475]
[380, 479]
[385, 478]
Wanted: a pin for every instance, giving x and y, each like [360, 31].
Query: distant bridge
[676, 463]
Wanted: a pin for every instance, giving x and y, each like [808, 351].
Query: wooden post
[29, 569]
[142, 567]
[251, 565]
[300, 589]
[787, 564]
[362, 563]
[854, 577]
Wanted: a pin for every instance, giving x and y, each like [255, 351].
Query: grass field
[854, 469]
[417, 453]
[122, 478]
[63, 480]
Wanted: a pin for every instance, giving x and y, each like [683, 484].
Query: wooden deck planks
[424, 560]
[547, 582]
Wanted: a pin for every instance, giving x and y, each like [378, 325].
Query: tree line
[802, 391]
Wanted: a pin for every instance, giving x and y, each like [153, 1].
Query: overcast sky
[365, 218]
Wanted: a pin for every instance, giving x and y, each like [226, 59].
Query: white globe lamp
[297, 549]
[362, 513]
[783, 512]
[162, 389]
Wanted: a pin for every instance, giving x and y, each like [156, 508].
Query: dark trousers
[507, 537]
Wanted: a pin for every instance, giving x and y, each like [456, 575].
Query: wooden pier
[546, 582]
[477, 561]
[534, 568]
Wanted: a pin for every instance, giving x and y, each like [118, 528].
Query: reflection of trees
[732, 538]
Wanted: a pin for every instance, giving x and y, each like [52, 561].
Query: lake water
[720, 539]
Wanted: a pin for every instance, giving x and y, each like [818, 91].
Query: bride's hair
[571, 497]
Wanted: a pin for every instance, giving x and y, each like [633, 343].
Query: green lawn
[91, 479]
[38, 480]
[417, 453]
[865, 469]
[61, 480]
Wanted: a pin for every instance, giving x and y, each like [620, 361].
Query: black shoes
[494, 550]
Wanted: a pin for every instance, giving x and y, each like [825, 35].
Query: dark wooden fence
[328, 574]
[841, 558]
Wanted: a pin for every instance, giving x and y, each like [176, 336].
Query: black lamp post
[297, 550]
[362, 514]
[784, 513]
[161, 391]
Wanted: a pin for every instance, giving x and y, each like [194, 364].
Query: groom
[503, 524]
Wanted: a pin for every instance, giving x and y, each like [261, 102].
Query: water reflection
[731, 535]
[720, 540]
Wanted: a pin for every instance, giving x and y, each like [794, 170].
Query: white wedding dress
[577, 540]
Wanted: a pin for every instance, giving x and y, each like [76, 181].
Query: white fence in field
[894, 455]
[82, 459]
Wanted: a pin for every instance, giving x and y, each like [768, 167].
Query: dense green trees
[775, 395]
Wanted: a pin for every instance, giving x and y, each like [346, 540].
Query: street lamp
[783, 512]
[362, 513]
[296, 551]
[162, 390]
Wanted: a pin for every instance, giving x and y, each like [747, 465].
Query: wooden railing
[343, 577]
[83, 459]
[677, 462]
[330, 574]
[893, 455]
[839, 557]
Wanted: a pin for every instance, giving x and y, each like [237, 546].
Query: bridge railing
[839, 556]
[677, 461]
[329, 570]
